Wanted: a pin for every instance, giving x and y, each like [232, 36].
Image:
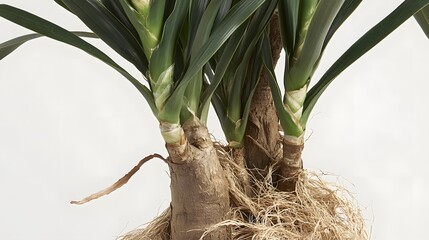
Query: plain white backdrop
[70, 126]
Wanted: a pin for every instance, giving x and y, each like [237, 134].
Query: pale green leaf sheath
[158, 39]
[147, 18]
[314, 20]
[162, 68]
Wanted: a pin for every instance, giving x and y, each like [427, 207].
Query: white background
[70, 125]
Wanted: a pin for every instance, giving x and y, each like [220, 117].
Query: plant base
[318, 210]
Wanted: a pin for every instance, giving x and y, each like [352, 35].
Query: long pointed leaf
[225, 59]
[196, 12]
[349, 6]
[62, 4]
[300, 73]
[114, 6]
[162, 68]
[404, 11]
[48, 29]
[236, 16]
[288, 16]
[205, 25]
[290, 125]
[102, 22]
[8, 47]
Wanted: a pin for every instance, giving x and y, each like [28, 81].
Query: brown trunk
[238, 156]
[290, 166]
[199, 190]
[262, 141]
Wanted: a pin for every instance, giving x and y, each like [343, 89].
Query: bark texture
[199, 190]
[290, 166]
[262, 141]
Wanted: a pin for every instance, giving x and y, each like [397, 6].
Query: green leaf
[155, 18]
[226, 5]
[290, 125]
[371, 38]
[61, 3]
[48, 29]
[196, 12]
[288, 16]
[161, 67]
[162, 57]
[223, 10]
[422, 18]
[205, 25]
[240, 74]
[349, 6]
[193, 91]
[114, 6]
[102, 22]
[8, 47]
[241, 86]
[300, 73]
[255, 72]
[306, 12]
[221, 68]
[148, 21]
[236, 16]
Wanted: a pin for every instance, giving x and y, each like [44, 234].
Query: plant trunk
[199, 189]
[291, 165]
[263, 141]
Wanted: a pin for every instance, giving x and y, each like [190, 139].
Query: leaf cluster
[193, 53]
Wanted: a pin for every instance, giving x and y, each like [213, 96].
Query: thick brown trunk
[262, 141]
[199, 189]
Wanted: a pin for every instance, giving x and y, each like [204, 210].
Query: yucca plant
[193, 53]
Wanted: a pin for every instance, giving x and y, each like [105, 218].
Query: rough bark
[199, 190]
[290, 166]
[262, 141]
[263, 144]
[238, 156]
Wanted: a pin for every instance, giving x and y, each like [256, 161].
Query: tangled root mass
[318, 210]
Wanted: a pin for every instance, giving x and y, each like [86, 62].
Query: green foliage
[110, 29]
[195, 52]
[8, 47]
[237, 73]
[55, 32]
[360, 47]
[235, 17]
[147, 21]
[304, 47]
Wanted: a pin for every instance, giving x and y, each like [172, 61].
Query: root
[158, 229]
[121, 182]
[316, 211]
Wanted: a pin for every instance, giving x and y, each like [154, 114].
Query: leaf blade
[233, 20]
[371, 38]
[8, 47]
[51, 30]
[102, 22]
[290, 125]
[345, 11]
